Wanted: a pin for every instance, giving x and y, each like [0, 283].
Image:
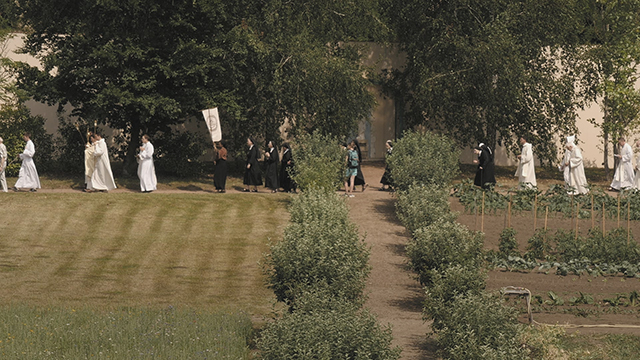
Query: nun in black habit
[286, 166]
[252, 174]
[485, 175]
[359, 180]
[220, 172]
[386, 177]
[271, 174]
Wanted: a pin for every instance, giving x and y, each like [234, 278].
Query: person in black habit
[252, 175]
[286, 166]
[386, 177]
[220, 172]
[359, 177]
[485, 175]
[271, 175]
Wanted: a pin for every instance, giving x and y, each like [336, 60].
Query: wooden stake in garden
[509, 212]
[628, 220]
[475, 207]
[482, 219]
[535, 209]
[603, 220]
[577, 220]
[546, 215]
[592, 214]
[618, 209]
[572, 211]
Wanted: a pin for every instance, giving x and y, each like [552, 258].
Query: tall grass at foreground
[128, 333]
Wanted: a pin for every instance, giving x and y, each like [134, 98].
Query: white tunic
[526, 172]
[146, 170]
[636, 182]
[102, 178]
[28, 175]
[624, 177]
[577, 180]
[564, 168]
[3, 165]
[89, 163]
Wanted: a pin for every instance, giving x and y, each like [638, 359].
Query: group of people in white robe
[572, 167]
[98, 174]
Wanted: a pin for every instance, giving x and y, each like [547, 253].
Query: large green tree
[141, 66]
[488, 70]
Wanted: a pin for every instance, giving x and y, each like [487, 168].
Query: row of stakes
[507, 219]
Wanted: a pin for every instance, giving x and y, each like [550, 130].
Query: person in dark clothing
[359, 180]
[271, 174]
[485, 175]
[386, 177]
[252, 174]
[220, 172]
[286, 166]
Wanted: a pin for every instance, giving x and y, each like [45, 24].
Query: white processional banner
[212, 119]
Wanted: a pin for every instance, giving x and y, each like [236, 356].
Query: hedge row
[319, 270]
[470, 322]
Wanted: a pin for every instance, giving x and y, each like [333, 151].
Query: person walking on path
[359, 180]
[146, 169]
[3, 165]
[352, 169]
[286, 166]
[386, 177]
[526, 172]
[220, 173]
[28, 175]
[577, 180]
[272, 158]
[102, 178]
[485, 175]
[624, 176]
[252, 174]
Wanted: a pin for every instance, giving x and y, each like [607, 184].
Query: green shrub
[319, 162]
[538, 246]
[421, 205]
[424, 158]
[342, 332]
[567, 247]
[328, 255]
[508, 245]
[480, 327]
[319, 205]
[443, 244]
[612, 248]
[446, 286]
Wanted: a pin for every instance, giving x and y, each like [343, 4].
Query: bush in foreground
[339, 331]
[319, 162]
[319, 205]
[421, 205]
[441, 245]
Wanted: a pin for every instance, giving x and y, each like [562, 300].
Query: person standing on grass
[220, 173]
[3, 165]
[102, 177]
[352, 169]
[286, 166]
[28, 175]
[624, 176]
[271, 157]
[146, 170]
[526, 172]
[577, 180]
[386, 177]
[89, 161]
[485, 175]
[252, 174]
[360, 176]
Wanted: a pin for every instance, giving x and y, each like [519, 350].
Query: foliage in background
[319, 162]
[341, 331]
[179, 153]
[325, 253]
[133, 333]
[443, 244]
[424, 158]
[421, 205]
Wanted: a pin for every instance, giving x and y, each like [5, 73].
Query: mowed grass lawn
[106, 251]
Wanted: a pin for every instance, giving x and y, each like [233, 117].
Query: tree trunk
[130, 166]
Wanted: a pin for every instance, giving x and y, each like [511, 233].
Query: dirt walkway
[395, 297]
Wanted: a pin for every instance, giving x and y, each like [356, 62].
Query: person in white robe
[146, 170]
[526, 171]
[102, 177]
[28, 175]
[3, 165]
[624, 176]
[577, 183]
[636, 151]
[565, 170]
[89, 162]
